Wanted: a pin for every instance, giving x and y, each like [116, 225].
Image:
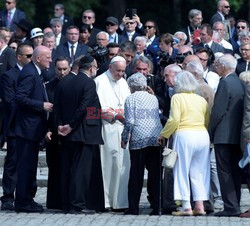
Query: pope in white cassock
[112, 90]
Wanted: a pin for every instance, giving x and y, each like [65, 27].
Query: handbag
[169, 157]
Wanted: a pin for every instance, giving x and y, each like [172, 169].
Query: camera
[181, 56]
[99, 53]
[131, 12]
[165, 59]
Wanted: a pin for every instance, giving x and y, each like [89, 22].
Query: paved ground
[56, 218]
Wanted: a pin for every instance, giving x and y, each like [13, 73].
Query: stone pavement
[57, 218]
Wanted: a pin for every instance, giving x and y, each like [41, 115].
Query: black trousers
[149, 157]
[27, 158]
[53, 157]
[9, 171]
[229, 173]
[76, 165]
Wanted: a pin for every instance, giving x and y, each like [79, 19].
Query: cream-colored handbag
[169, 157]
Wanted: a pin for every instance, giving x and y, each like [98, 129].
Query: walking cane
[160, 168]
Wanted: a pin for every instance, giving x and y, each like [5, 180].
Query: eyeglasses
[242, 27]
[226, 6]
[27, 55]
[110, 24]
[95, 67]
[87, 17]
[148, 27]
[130, 23]
[244, 49]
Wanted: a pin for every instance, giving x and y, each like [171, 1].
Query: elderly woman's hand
[160, 140]
[149, 90]
[123, 145]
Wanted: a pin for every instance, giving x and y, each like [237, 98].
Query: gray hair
[60, 5]
[140, 58]
[181, 33]
[244, 34]
[174, 68]
[101, 33]
[140, 39]
[55, 21]
[49, 35]
[228, 61]
[185, 82]
[137, 82]
[245, 76]
[195, 68]
[193, 13]
[219, 22]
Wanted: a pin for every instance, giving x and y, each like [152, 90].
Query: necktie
[45, 94]
[9, 19]
[206, 46]
[72, 55]
[130, 37]
[111, 38]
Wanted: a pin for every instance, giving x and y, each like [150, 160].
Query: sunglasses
[227, 6]
[27, 55]
[110, 24]
[242, 27]
[148, 27]
[130, 23]
[87, 17]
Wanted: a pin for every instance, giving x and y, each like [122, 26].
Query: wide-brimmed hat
[24, 25]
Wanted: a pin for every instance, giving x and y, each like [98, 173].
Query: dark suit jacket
[67, 21]
[8, 85]
[215, 47]
[75, 99]
[7, 60]
[63, 50]
[227, 111]
[241, 66]
[29, 117]
[92, 39]
[15, 20]
[216, 17]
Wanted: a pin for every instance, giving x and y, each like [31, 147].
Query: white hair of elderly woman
[245, 76]
[137, 82]
[185, 82]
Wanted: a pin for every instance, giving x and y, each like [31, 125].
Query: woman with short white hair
[141, 130]
[188, 120]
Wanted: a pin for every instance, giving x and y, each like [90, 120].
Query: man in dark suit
[29, 119]
[53, 147]
[225, 130]
[66, 20]
[72, 48]
[56, 25]
[195, 20]
[111, 27]
[80, 132]
[243, 64]
[11, 15]
[8, 89]
[88, 17]
[223, 9]
[7, 56]
[130, 28]
[206, 34]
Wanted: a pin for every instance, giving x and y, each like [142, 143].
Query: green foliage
[236, 5]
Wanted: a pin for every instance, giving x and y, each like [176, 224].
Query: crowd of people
[103, 102]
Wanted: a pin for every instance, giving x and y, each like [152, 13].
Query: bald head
[190, 58]
[42, 57]
[185, 49]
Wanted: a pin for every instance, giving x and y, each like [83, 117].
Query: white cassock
[115, 160]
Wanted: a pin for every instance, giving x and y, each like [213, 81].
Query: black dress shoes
[168, 211]
[225, 213]
[87, 211]
[131, 212]
[32, 207]
[7, 205]
[154, 213]
[82, 211]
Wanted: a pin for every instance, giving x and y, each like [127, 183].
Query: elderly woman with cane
[188, 120]
[141, 130]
